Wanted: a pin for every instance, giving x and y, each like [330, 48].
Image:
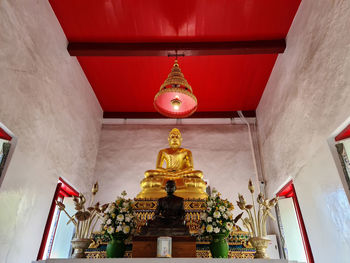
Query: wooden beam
[184, 48]
[156, 115]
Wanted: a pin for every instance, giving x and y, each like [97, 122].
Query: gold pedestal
[260, 244]
[79, 245]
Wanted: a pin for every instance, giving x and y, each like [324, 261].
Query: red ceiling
[221, 83]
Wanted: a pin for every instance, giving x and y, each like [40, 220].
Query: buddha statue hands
[178, 167]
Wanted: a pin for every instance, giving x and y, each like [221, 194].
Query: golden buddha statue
[179, 167]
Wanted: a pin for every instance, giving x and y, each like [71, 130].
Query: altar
[162, 260]
[173, 202]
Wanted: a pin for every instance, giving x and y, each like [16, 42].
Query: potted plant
[217, 222]
[256, 221]
[117, 225]
[84, 220]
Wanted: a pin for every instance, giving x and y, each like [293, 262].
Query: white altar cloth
[163, 260]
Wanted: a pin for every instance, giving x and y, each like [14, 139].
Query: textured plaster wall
[306, 99]
[222, 152]
[46, 101]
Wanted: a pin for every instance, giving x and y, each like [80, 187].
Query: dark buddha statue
[169, 219]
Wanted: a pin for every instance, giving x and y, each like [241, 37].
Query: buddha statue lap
[179, 168]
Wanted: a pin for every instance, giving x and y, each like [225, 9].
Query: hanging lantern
[175, 98]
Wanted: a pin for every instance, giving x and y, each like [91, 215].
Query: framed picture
[164, 246]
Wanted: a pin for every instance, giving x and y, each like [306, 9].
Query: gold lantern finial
[176, 78]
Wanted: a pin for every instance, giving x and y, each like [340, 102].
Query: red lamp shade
[175, 98]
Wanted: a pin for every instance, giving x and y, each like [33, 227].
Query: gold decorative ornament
[256, 221]
[179, 167]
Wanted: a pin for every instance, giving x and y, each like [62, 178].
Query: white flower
[110, 230]
[120, 217]
[229, 226]
[214, 193]
[127, 219]
[208, 209]
[210, 203]
[225, 216]
[204, 216]
[209, 219]
[222, 208]
[216, 230]
[216, 214]
[126, 229]
[125, 204]
[209, 228]
[123, 210]
[119, 228]
[109, 221]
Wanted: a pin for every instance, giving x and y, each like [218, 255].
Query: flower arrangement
[119, 218]
[217, 218]
[85, 219]
[256, 222]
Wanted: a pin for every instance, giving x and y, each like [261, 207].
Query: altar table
[163, 260]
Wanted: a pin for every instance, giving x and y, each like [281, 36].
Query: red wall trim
[4, 135]
[344, 134]
[68, 189]
[62, 190]
[289, 191]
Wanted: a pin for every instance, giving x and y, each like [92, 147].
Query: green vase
[219, 246]
[116, 247]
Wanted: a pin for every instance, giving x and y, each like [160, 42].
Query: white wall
[222, 152]
[47, 102]
[306, 99]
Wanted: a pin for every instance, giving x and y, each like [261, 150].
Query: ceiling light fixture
[175, 98]
[176, 103]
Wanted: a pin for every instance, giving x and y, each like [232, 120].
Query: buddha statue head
[174, 138]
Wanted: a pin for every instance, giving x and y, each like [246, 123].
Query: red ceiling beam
[156, 115]
[184, 48]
